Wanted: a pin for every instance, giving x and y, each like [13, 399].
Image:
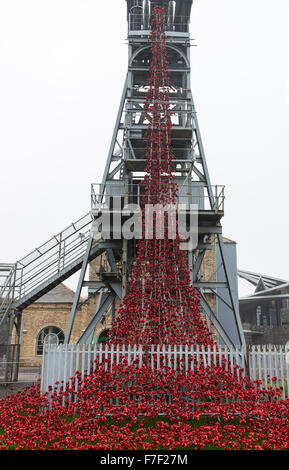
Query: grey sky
[62, 66]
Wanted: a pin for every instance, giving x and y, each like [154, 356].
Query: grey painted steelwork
[78, 290]
[225, 313]
[105, 301]
[73, 249]
[126, 160]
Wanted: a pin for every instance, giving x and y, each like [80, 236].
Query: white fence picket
[259, 355]
[252, 359]
[169, 356]
[215, 355]
[186, 357]
[282, 373]
[158, 356]
[192, 366]
[61, 362]
[83, 361]
[111, 357]
[276, 370]
[287, 371]
[231, 359]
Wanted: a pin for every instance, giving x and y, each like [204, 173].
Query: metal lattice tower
[74, 248]
[125, 166]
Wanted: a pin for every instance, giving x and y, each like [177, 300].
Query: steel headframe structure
[76, 246]
[125, 167]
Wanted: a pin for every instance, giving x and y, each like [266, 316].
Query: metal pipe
[171, 15]
[146, 5]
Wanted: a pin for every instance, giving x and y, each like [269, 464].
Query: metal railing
[136, 23]
[180, 153]
[115, 195]
[19, 372]
[44, 262]
[181, 115]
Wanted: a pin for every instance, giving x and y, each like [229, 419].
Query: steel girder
[125, 165]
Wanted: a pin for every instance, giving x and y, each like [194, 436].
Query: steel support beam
[210, 285]
[212, 317]
[111, 259]
[114, 137]
[100, 311]
[198, 264]
[78, 290]
[230, 289]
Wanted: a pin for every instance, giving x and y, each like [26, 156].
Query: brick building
[46, 320]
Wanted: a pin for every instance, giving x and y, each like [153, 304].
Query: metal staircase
[46, 266]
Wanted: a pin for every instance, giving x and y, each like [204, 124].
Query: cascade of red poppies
[161, 305]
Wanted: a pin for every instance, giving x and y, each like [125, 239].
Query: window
[103, 336]
[258, 315]
[48, 335]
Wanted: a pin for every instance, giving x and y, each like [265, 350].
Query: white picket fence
[264, 363]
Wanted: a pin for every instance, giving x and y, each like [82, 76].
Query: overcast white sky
[62, 66]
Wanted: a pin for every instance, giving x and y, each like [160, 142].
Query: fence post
[248, 360]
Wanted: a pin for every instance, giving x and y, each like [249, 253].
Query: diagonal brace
[78, 290]
[100, 311]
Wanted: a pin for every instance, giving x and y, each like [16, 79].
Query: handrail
[44, 262]
[187, 194]
[135, 23]
[38, 249]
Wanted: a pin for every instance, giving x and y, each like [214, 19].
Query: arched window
[48, 335]
[103, 336]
